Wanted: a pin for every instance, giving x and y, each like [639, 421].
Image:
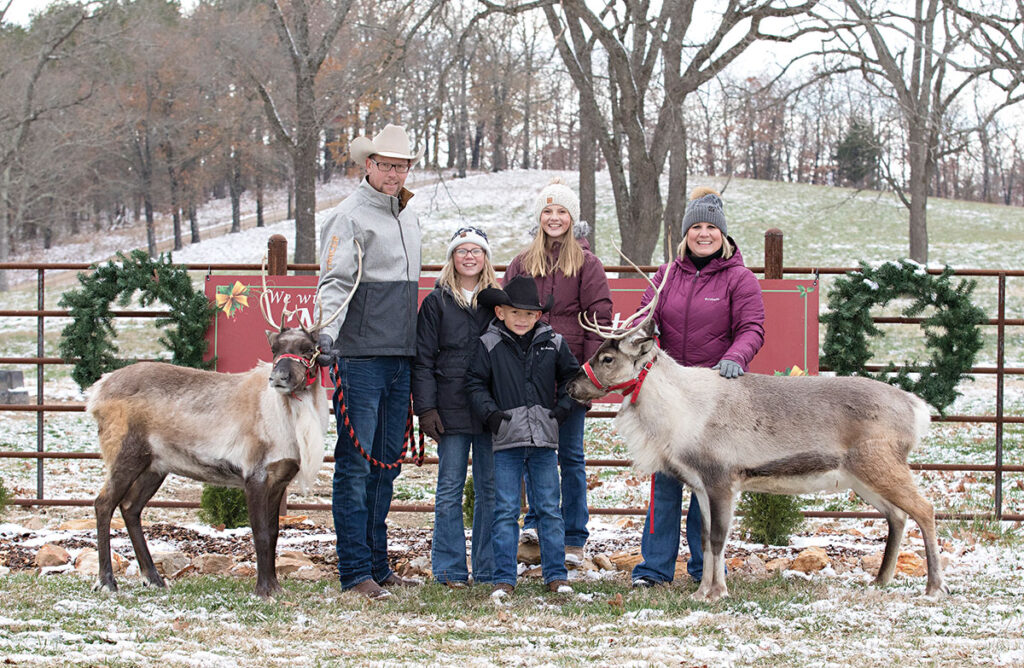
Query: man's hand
[326, 345]
[728, 369]
[430, 424]
[494, 420]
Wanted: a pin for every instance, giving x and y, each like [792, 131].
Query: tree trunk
[235, 188]
[259, 198]
[5, 228]
[193, 219]
[527, 110]
[498, 159]
[917, 157]
[147, 204]
[172, 179]
[462, 124]
[478, 140]
[675, 204]
[588, 178]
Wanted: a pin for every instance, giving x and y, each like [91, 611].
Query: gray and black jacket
[446, 338]
[381, 318]
[525, 384]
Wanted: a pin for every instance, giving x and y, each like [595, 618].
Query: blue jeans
[660, 548]
[448, 550]
[572, 464]
[542, 493]
[377, 399]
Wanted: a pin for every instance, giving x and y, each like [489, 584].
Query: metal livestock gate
[278, 265]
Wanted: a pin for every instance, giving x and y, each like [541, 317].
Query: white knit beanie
[558, 193]
[468, 235]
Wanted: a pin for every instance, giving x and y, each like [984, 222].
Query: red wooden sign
[237, 340]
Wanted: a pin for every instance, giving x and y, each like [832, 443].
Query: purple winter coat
[587, 292]
[710, 315]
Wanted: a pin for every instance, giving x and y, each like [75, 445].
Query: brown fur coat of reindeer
[775, 434]
[257, 430]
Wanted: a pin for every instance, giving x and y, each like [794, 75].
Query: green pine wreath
[89, 338]
[951, 333]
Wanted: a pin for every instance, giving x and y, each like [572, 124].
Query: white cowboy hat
[391, 142]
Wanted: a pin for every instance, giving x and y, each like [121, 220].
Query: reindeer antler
[265, 301]
[605, 332]
[320, 324]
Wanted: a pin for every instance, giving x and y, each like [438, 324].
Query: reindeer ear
[272, 337]
[640, 342]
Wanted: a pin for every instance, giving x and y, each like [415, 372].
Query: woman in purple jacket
[560, 262]
[710, 314]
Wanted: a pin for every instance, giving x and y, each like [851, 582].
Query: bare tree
[923, 61]
[50, 40]
[637, 118]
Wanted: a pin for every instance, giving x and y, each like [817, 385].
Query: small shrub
[770, 518]
[468, 496]
[5, 498]
[223, 505]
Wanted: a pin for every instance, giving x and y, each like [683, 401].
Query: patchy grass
[775, 621]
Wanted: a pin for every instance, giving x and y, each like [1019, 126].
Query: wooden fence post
[277, 255]
[277, 265]
[773, 253]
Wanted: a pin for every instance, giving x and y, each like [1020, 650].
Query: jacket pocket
[544, 428]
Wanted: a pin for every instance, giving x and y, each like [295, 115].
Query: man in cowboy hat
[373, 341]
[516, 385]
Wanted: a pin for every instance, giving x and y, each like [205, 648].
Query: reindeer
[773, 434]
[257, 430]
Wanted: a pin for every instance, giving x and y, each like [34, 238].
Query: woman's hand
[728, 369]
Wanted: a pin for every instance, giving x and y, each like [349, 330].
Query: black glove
[728, 369]
[326, 345]
[494, 420]
[559, 412]
[430, 424]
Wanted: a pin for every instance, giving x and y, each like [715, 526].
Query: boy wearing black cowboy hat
[516, 385]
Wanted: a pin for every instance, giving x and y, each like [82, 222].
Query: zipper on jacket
[405, 249]
[686, 314]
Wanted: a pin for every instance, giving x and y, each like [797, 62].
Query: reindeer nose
[280, 375]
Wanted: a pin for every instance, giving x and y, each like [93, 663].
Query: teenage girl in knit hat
[447, 329]
[560, 261]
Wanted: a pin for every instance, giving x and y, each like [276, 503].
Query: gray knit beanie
[705, 207]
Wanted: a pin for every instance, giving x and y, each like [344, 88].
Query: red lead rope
[341, 412]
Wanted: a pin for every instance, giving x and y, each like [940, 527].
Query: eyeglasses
[389, 166]
[463, 231]
[463, 252]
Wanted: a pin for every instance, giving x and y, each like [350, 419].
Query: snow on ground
[981, 623]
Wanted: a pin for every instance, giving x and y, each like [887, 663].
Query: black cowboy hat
[521, 292]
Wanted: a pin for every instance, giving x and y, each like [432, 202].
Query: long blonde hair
[449, 278]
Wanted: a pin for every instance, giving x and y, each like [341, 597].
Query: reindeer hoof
[710, 594]
[158, 582]
[268, 591]
[938, 591]
[105, 585]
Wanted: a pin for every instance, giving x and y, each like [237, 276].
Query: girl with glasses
[447, 330]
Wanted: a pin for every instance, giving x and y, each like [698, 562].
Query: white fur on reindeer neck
[299, 422]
